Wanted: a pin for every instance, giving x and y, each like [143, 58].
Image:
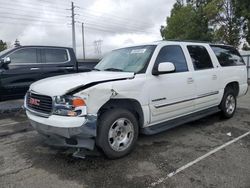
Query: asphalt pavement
[211, 152]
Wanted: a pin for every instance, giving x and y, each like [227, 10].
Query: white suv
[141, 89]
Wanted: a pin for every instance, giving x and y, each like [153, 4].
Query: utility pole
[73, 26]
[83, 42]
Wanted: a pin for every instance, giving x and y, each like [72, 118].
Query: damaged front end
[71, 120]
[76, 137]
[62, 120]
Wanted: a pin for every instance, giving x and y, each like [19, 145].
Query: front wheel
[228, 104]
[117, 132]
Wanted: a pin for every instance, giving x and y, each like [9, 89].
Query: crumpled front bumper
[82, 136]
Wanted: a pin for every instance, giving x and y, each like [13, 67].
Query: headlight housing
[69, 106]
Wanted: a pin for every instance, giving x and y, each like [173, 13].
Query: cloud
[117, 23]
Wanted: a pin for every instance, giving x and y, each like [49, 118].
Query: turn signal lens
[72, 113]
[78, 102]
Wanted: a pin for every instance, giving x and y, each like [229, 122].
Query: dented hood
[60, 85]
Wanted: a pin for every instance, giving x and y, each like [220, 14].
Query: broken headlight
[69, 106]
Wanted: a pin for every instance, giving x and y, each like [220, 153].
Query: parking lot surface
[210, 152]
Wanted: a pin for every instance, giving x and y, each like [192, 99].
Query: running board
[154, 129]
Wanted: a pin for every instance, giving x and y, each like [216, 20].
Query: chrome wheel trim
[121, 134]
[230, 104]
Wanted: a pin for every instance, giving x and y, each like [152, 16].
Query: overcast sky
[117, 23]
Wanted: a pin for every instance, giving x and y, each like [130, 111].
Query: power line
[29, 6]
[110, 26]
[111, 15]
[28, 24]
[28, 19]
[114, 22]
[111, 22]
[52, 2]
[91, 12]
[33, 18]
[91, 26]
[107, 24]
[34, 11]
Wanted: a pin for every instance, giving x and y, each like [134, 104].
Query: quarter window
[23, 56]
[200, 57]
[227, 56]
[175, 55]
[55, 55]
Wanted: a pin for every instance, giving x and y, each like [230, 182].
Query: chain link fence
[247, 61]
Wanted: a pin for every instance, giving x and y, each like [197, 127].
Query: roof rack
[197, 41]
[194, 41]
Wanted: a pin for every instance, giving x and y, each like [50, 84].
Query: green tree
[243, 12]
[207, 20]
[189, 22]
[185, 23]
[3, 45]
[227, 24]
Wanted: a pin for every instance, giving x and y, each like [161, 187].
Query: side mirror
[164, 68]
[6, 60]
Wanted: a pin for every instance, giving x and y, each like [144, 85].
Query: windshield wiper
[113, 69]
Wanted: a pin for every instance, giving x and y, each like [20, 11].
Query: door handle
[69, 68]
[190, 80]
[34, 68]
[214, 77]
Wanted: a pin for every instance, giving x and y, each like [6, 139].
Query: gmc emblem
[35, 102]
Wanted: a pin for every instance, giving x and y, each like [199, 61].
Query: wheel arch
[132, 105]
[234, 86]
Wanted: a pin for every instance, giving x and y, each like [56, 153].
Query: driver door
[171, 94]
[24, 69]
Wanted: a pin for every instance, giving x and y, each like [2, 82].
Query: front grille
[39, 103]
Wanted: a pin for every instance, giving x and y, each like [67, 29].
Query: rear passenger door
[206, 77]
[56, 62]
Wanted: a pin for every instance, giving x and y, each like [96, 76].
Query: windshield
[5, 51]
[132, 59]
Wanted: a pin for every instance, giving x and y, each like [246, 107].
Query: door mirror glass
[165, 67]
[6, 60]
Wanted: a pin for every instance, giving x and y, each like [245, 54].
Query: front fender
[97, 96]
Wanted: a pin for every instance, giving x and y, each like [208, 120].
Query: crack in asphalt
[2, 135]
[11, 172]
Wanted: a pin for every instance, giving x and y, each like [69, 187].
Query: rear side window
[55, 55]
[24, 56]
[173, 54]
[200, 57]
[227, 56]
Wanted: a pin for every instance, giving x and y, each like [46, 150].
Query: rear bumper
[243, 89]
[80, 136]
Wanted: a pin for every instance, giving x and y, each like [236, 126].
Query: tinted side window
[200, 57]
[227, 56]
[173, 54]
[55, 55]
[27, 55]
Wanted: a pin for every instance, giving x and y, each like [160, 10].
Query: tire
[117, 133]
[228, 104]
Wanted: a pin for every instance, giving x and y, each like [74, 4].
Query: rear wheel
[228, 104]
[117, 133]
